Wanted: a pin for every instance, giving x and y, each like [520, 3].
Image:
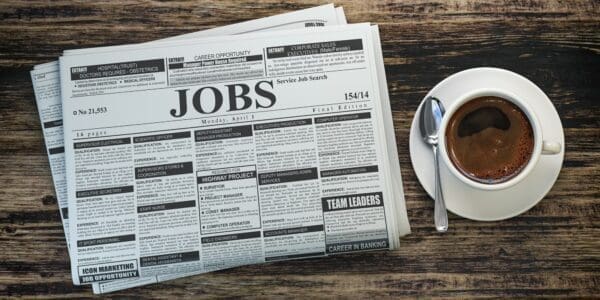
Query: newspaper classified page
[46, 83]
[199, 156]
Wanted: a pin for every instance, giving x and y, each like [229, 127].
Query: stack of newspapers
[261, 141]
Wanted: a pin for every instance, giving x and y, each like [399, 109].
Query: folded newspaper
[209, 151]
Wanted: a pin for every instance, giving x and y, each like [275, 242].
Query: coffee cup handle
[550, 147]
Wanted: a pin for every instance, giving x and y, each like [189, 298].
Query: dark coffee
[489, 139]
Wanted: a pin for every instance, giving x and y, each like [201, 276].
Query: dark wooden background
[552, 250]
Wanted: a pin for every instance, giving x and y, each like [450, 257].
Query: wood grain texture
[553, 250]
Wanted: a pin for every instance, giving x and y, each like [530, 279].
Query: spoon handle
[439, 212]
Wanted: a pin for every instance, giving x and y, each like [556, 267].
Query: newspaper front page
[46, 83]
[194, 157]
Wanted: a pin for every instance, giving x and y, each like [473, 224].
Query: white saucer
[481, 205]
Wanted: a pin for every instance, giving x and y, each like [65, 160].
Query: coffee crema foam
[489, 139]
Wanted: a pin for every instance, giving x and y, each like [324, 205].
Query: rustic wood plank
[553, 250]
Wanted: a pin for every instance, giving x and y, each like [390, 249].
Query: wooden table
[552, 250]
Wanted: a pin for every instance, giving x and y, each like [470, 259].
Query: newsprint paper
[46, 84]
[184, 157]
[195, 156]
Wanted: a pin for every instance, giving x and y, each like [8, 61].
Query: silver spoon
[429, 123]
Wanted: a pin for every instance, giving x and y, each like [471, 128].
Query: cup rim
[533, 120]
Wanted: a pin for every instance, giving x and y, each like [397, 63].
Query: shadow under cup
[489, 139]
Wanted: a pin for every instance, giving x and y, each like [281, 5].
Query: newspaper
[194, 156]
[47, 90]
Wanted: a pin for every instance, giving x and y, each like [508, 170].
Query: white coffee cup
[540, 146]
